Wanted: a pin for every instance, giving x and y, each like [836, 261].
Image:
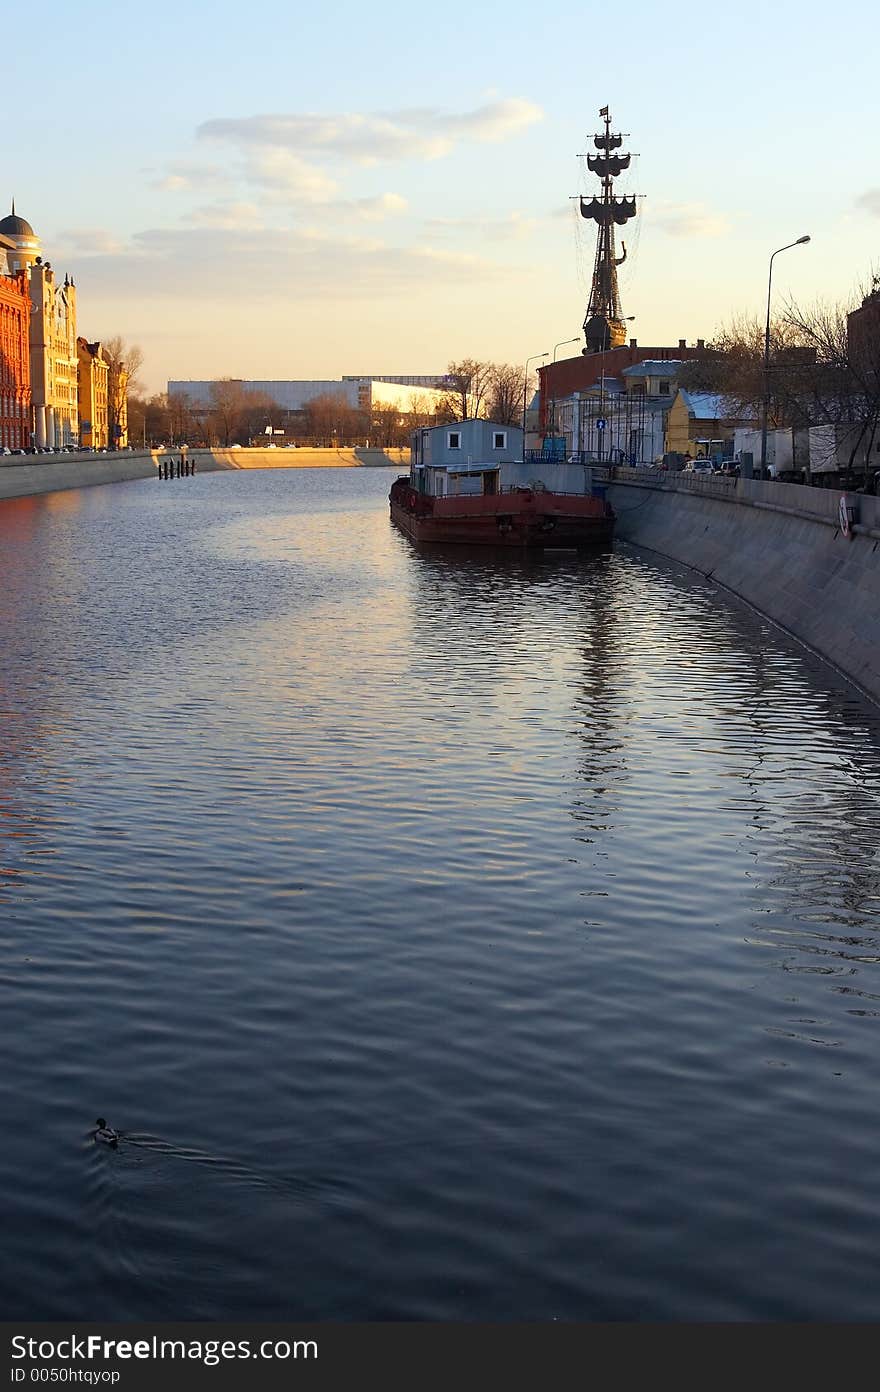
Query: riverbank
[779, 546]
[306, 458]
[23, 475]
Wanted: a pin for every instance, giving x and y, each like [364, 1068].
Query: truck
[827, 456]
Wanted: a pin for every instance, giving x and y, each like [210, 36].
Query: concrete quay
[779, 546]
[22, 475]
[305, 458]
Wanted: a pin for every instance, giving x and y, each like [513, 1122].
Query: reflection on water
[451, 935]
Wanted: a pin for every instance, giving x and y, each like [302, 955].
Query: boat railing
[540, 487]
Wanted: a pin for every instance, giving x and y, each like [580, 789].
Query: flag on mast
[603, 110]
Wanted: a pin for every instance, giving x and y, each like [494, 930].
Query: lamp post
[564, 341]
[536, 357]
[800, 242]
[602, 415]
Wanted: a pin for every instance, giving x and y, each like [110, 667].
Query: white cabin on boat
[463, 457]
[482, 457]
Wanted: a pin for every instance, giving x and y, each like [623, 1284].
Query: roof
[654, 367]
[468, 424]
[709, 405]
[14, 226]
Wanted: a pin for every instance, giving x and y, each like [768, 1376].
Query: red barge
[465, 487]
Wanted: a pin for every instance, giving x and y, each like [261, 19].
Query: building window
[663, 388]
[453, 439]
[499, 439]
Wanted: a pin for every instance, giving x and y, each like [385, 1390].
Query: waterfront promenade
[24, 475]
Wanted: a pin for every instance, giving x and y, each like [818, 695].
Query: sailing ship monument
[604, 325]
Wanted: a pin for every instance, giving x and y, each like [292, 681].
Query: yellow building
[699, 423]
[93, 372]
[117, 406]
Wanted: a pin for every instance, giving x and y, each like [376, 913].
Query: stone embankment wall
[304, 458]
[21, 475]
[779, 546]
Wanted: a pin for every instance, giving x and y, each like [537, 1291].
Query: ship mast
[604, 325]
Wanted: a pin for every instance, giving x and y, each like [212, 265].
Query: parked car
[699, 466]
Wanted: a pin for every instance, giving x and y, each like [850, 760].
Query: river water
[450, 936]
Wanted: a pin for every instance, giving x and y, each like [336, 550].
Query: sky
[276, 191]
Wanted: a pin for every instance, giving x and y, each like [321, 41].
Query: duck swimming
[107, 1135]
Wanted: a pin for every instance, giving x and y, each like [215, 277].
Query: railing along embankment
[22, 475]
[793, 552]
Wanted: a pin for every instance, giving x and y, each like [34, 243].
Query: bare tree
[505, 394]
[180, 420]
[227, 403]
[329, 419]
[820, 371]
[124, 361]
[259, 413]
[846, 387]
[469, 382]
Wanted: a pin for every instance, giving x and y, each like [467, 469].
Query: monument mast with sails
[604, 324]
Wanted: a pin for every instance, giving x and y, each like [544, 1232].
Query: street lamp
[536, 357]
[576, 339]
[562, 344]
[800, 242]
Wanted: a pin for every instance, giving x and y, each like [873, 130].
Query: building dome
[14, 226]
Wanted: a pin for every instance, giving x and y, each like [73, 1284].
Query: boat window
[453, 439]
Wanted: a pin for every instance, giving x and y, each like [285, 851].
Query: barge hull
[523, 519]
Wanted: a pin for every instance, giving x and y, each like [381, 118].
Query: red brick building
[15, 363]
[559, 380]
[863, 334]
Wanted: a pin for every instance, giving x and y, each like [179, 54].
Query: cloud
[227, 214]
[89, 241]
[689, 220]
[286, 175]
[183, 175]
[241, 264]
[375, 209]
[869, 201]
[498, 120]
[425, 133]
[513, 228]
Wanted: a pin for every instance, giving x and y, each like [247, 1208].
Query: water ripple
[451, 936]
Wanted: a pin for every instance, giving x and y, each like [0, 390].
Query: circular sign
[843, 514]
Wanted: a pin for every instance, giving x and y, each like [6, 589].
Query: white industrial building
[362, 393]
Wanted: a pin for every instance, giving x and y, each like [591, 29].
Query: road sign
[600, 423]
